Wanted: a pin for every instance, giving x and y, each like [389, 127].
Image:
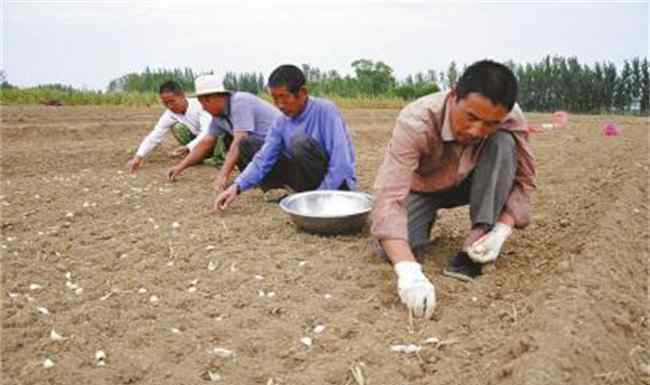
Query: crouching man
[240, 118]
[308, 148]
[464, 146]
[186, 120]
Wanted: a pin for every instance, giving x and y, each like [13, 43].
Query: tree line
[557, 83]
[553, 83]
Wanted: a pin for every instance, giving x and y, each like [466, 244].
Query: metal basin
[328, 211]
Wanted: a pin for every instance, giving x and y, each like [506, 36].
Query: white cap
[208, 84]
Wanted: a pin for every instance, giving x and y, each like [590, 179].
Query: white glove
[414, 289]
[487, 248]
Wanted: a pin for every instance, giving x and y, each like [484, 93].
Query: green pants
[184, 136]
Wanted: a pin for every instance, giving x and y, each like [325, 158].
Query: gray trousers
[486, 190]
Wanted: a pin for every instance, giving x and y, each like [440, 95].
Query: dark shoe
[460, 266]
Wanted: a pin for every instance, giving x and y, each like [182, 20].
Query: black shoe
[460, 266]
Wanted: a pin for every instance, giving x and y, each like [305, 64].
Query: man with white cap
[186, 120]
[241, 118]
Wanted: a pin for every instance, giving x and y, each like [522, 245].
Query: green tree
[645, 87]
[622, 93]
[374, 78]
[452, 74]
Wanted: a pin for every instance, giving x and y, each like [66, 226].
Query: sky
[88, 43]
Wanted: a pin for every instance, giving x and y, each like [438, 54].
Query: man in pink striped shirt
[468, 145]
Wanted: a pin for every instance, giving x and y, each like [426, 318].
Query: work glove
[414, 289]
[487, 248]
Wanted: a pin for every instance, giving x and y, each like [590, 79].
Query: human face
[214, 103]
[290, 104]
[176, 103]
[474, 117]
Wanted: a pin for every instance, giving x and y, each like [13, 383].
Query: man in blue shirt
[307, 149]
[238, 117]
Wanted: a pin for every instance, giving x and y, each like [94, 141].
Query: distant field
[135, 99]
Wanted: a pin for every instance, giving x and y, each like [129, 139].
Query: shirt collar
[227, 107]
[305, 111]
[445, 132]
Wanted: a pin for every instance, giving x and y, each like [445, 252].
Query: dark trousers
[486, 190]
[303, 170]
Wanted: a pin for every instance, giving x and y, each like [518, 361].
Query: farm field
[134, 266]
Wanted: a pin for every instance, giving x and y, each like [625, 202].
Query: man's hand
[487, 248]
[174, 172]
[180, 152]
[135, 163]
[414, 289]
[224, 199]
[220, 182]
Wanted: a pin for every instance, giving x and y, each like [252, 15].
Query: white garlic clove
[306, 341]
[223, 353]
[405, 348]
[214, 377]
[100, 358]
[48, 363]
[54, 336]
[432, 341]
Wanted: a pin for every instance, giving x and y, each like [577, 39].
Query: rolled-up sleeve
[393, 183]
[518, 203]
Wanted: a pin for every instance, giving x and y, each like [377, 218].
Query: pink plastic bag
[560, 119]
[610, 129]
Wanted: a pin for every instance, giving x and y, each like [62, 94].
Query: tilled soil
[566, 303]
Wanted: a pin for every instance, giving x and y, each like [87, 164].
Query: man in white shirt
[187, 121]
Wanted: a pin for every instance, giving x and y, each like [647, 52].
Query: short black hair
[170, 86]
[493, 80]
[288, 76]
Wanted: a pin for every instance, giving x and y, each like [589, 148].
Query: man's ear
[303, 91]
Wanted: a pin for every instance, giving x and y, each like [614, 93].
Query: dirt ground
[567, 302]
